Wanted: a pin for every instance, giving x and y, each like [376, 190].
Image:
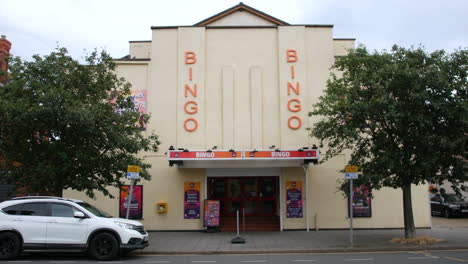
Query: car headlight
[454, 206]
[125, 225]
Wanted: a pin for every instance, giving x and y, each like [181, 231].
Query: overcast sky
[37, 27]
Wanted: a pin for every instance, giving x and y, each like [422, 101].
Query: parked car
[448, 205]
[53, 223]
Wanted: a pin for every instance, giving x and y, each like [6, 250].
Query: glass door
[258, 196]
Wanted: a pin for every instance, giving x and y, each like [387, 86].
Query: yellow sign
[132, 168]
[350, 168]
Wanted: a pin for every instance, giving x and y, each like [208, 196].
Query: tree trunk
[410, 230]
[58, 191]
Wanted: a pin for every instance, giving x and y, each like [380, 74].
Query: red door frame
[242, 199]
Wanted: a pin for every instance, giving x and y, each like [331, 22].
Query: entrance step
[252, 223]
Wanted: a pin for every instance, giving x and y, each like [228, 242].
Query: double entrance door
[254, 196]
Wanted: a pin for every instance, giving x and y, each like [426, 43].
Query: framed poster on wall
[136, 202]
[192, 200]
[362, 206]
[294, 199]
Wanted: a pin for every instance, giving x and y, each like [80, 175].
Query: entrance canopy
[242, 159]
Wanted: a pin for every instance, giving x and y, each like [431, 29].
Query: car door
[63, 229]
[32, 223]
[436, 205]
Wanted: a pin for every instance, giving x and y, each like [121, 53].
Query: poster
[192, 200]
[294, 199]
[361, 201]
[136, 202]
[211, 213]
[139, 100]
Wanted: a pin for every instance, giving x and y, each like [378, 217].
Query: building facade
[229, 98]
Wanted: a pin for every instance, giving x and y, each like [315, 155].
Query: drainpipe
[307, 194]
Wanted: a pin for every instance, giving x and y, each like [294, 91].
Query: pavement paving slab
[454, 233]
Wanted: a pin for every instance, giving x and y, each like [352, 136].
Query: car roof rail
[44, 197]
[36, 197]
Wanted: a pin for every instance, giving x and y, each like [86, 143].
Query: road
[404, 257]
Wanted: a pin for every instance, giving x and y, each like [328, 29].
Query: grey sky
[35, 27]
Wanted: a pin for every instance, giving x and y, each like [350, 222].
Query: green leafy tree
[64, 124]
[402, 113]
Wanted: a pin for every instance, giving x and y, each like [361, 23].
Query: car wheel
[446, 213]
[10, 245]
[104, 246]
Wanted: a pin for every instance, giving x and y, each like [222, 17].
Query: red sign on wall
[282, 154]
[204, 155]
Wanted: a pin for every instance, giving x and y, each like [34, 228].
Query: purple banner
[294, 199]
[361, 202]
[192, 200]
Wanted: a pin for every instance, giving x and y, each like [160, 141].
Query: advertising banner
[136, 202]
[211, 213]
[294, 199]
[361, 202]
[192, 200]
[139, 100]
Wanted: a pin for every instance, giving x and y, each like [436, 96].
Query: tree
[402, 113]
[69, 125]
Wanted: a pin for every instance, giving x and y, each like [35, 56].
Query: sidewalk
[299, 241]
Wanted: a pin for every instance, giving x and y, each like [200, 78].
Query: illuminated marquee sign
[203, 155]
[312, 154]
[282, 154]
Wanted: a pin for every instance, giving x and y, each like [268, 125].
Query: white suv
[53, 223]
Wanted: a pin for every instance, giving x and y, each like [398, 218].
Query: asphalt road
[416, 257]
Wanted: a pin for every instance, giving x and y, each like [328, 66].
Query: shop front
[245, 182]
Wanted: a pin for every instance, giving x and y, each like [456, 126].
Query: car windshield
[453, 198]
[94, 210]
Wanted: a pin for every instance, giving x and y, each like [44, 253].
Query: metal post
[130, 195]
[237, 213]
[351, 212]
[237, 239]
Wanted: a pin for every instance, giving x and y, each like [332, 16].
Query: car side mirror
[79, 215]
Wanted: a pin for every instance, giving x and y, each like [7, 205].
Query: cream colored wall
[163, 87]
[292, 174]
[341, 46]
[140, 50]
[242, 76]
[134, 73]
[242, 70]
[241, 19]
[167, 184]
[331, 207]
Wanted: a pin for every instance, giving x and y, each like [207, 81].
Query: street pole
[351, 212]
[130, 195]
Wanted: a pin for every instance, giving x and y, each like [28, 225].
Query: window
[62, 210]
[12, 210]
[34, 209]
[436, 198]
